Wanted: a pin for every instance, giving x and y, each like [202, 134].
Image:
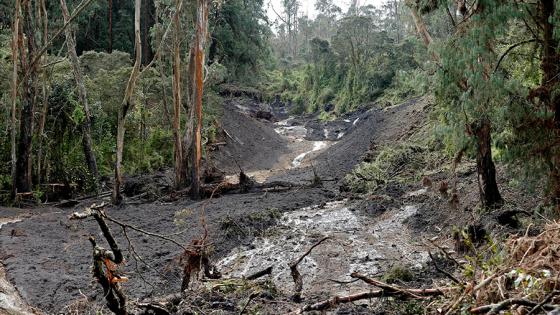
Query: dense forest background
[492, 65]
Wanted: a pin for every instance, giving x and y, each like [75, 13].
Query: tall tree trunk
[488, 188]
[13, 130]
[162, 77]
[127, 104]
[147, 23]
[177, 101]
[550, 67]
[22, 177]
[420, 25]
[201, 29]
[110, 28]
[45, 94]
[87, 142]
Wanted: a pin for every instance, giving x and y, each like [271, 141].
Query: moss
[398, 272]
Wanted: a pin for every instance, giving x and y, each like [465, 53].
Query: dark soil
[251, 143]
[49, 258]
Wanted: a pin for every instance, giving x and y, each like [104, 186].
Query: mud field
[47, 258]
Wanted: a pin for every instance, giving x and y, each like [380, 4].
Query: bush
[390, 162]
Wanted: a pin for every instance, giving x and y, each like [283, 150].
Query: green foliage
[390, 163]
[352, 71]
[406, 85]
[239, 39]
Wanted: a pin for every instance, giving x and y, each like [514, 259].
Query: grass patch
[398, 273]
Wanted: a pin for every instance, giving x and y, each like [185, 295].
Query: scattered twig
[343, 282]
[547, 299]
[447, 274]
[251, 297]
[298, 281]
[93, 210]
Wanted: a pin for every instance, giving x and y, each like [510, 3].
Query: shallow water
[357, 243]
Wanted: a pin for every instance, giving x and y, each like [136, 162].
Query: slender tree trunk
[488, 188]
[550, 67]
[127, 105]
[41, 131]
[420, 26]
[45, 94]
[87, 142]
[110, 29]
[148, 22]
[162, 77]
[198, 89]
[177, 101]
[22, 177]
[13, 130]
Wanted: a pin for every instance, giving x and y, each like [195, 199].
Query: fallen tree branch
[249, 299]
[298, 280]
[335, 300]
[413, 293]
[94, 211]
[547, 299]
[496, 308]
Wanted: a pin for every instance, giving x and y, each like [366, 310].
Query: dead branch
[104, 272]
[547, 299]
[298, 280]
[92, 210]
[413, 293]
[260, 273]
[96, 211]
[496, 308]
[335, 300]
[249, 299]
[447, 274]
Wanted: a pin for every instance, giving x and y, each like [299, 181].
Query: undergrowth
[396, 163]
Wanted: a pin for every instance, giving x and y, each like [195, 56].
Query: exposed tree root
[105, 262]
